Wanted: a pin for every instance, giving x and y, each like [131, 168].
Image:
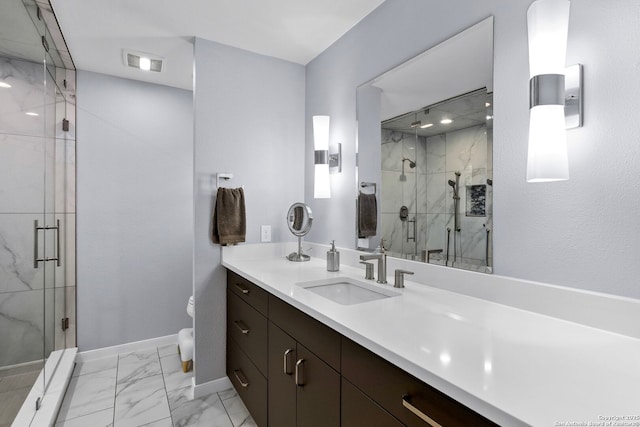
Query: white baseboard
[126, 348]
[221, 384]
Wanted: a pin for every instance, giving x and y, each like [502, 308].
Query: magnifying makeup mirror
[299, 219]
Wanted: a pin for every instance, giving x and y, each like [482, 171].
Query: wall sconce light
[555, 100]
[324, 162]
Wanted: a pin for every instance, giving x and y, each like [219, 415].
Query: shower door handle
[412, 221]
[36, 259]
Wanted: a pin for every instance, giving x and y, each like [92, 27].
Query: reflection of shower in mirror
[412, 165]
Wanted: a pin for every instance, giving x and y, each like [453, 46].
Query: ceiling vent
[142, 61]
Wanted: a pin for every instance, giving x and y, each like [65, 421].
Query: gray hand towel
[367, 215]
[229, 218]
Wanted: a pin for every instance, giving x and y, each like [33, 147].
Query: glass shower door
[37, 193]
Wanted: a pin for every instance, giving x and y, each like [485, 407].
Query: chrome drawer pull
[242, 289]
[243, 328]
[286, 360]
[417, 412]
[300, 373]
[241, 379]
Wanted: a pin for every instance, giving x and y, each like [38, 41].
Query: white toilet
[185, 341]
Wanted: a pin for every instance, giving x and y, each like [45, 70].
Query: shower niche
[425, 136]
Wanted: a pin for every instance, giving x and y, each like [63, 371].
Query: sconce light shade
[321, 183]
[548, 25]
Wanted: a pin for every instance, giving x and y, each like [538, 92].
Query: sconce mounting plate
[335, 160]
[573, 96]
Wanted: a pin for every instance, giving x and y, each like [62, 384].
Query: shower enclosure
[37, 200]
[437, 183]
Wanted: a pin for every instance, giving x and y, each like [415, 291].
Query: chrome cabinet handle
[286, 360]
[417, 412]
[242, 289]
[241, 378]
[300, 373]
[243, 328]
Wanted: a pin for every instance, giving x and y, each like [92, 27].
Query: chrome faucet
[381, 256]
[399, 278]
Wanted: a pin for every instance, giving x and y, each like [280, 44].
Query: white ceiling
[96, 31]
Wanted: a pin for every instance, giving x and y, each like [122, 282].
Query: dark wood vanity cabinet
[304, 366]
[247, 325]
[405, 397]
[303, 389]
[293, 371]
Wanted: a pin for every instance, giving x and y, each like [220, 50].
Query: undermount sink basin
[347, 291]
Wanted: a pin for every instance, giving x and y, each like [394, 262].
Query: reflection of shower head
[453, 185]
[411, 164]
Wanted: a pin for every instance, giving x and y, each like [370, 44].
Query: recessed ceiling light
[487, 104]
[31, 113]
[145, 63]
[142, 61]
[5, 85]
[489, 117]
[428, 125]
[446, 121]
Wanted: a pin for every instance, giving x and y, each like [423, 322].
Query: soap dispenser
[333, 258]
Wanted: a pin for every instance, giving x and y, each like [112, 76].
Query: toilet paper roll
[190, 306]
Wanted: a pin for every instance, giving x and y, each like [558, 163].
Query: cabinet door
[358, 410]
[282, 387]
[318, 391]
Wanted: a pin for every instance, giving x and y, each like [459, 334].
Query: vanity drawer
[320, 339]
[248, 382]
[359, 410]
[395, 390]
[248, 328]
[252, 294]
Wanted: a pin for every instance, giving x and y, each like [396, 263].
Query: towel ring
[224, 177]
[364, 184]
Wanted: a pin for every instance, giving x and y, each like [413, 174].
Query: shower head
[411, 164]
[452, 183]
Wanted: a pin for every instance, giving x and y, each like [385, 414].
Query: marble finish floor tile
[141, 401]
[139, 398]
[165, 422]
[88, 393]
[168, 350]
[204, 411]
[235, 408]
[97, 365]
[174, 378]
[102, 418]
[139, 364]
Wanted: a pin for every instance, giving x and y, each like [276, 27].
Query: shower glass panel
[37, 193]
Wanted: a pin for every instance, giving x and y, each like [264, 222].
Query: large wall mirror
[425, 141]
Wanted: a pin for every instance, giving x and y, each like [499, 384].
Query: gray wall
[580, 233]
[135, 210]
[249, 121]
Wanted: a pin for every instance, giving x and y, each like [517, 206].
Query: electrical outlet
[265, 233]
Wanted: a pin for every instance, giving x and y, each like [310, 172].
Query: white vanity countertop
[513, 366]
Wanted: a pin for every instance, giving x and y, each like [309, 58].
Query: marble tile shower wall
[428, 196]
[37, 160]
